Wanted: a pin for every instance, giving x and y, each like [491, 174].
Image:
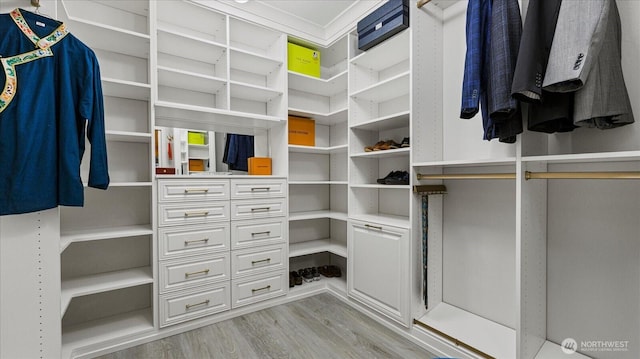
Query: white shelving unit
[318, 174]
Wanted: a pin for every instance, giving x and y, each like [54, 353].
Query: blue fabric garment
[56, 102]
[238, 149]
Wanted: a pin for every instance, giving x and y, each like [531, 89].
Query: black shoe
[315, 274]
[390, 175]
[401, 178]
[306, 274]
[297, 279]
[405, 142]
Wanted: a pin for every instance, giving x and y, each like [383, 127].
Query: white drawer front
[195, 213]
[192, 190]
[252, 290]
[193, 240]
[261, 208]
[259, 232]
[180, 274]
[247, 189]
[257, 261]
[180, 307]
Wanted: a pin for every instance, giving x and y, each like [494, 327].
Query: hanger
[36, 5]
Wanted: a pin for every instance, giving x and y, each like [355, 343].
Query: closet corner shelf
[172, 38]
[387, 54]
[126, 89]
[380, 186]
[586, 157]
[312, 182]
[400, 152]
[173, 114]
[322, 118]
[551, 350]
[301, 216]
[103, 282]
[395, 120]
[337, 285]
[188, 80]
[384, 219]
[508, 161]
[385, 90]
[252, 62]
[97, 331]
[318, 86]
[252, 92]
[482, 334]
[318, 150]
[317, 246]
[127, 136]
[84, 235]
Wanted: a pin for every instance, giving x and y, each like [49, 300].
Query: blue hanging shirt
[51, 99]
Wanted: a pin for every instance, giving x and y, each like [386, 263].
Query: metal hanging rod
[533, 175]
[422, 3]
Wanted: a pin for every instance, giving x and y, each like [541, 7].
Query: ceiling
[319, 12]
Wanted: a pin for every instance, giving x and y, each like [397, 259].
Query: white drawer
[254, 261]
[193, 240]
[193, 213]
[267, 188]
[186, 305]
[180, 274]
[252, 290]
[259, 208]
[192, 190]
[257, 232]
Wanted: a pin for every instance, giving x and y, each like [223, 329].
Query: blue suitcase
[384, 22]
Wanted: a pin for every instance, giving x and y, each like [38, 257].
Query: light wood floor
[321, 327]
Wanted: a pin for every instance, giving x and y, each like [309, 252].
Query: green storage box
[303, 60]
[196, 138]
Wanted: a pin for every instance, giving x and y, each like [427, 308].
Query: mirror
[182, 151]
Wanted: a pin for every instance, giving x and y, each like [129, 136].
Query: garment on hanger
[237, 150]
[52, 98]
[425, 248]
[493, 36]
[586, 58]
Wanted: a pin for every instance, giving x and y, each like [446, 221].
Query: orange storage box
[260, 165]
[196, 165]
[302, 131]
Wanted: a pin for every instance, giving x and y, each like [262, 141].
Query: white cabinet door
[378, 268]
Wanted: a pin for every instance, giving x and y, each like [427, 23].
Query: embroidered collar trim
[48, 41]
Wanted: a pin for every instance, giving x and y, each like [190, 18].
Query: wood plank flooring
[321, 327]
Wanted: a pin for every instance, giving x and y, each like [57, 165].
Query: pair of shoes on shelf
[309, 274]
[294, 279]
[382, 146]
[330, 271]
[395, 178]
[405, 142]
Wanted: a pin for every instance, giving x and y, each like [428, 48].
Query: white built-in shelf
[252, 92]
[93, 33]
[311, 182]
[393, 87]
[198, 158]
[383, 218]
[318, 86]
[317, 246]
[322, 118]
[386, 54]
[395, 120]
[252, 38]
[172, 114]
[181, 45]
[252, 62]
[203, 24]
[123, 184]
[190, 80]
[551, 350]
[487, 336]
[303, 216]
[191, 145]
[398, 152]
[380, 186]
[102, 330]
[127, 136]
[509, 161]
[68, 237]
[586, 157]
[126, 89]
[336, 285]
[103, 282]
[318, 150]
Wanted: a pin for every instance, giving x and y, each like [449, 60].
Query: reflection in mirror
[183, 151]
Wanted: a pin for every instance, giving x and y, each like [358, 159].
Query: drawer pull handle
[259, 289]
[259, 233]
[189, 274]
[266, 189]
[261, 209]
[373, 227]
[260, 261]
[203, 240]
[189, 306]
[196, 190]
[196, 214]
